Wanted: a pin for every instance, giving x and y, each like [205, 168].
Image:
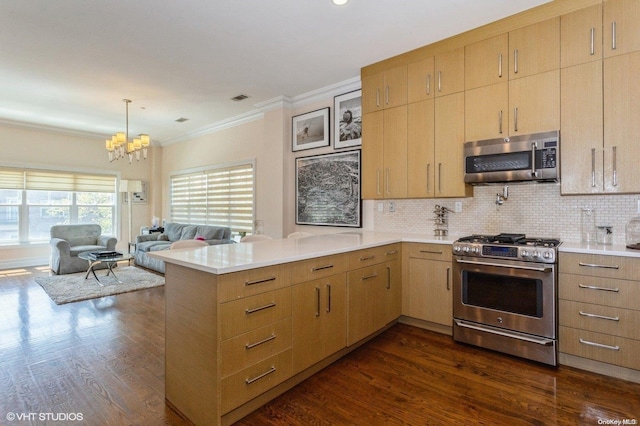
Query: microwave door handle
[499, 265]
[534, 173]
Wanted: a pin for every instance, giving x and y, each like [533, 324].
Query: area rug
[74, 287]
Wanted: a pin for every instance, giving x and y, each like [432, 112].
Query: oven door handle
[528, 268]
[541, 341]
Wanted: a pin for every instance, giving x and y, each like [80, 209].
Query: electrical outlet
[380, 207]
[457, 207]
[392, 207]
[638, 207]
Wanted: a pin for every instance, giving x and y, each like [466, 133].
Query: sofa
[173, 232]
[68, 241]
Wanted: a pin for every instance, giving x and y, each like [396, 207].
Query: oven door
[506, 294]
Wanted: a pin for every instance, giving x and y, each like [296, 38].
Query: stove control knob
[524, 253]
[466, 249]
[474, 250]
[547, 255]
[456, 249]
[535, 254]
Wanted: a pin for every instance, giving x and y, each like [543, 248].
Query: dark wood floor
[104, 359]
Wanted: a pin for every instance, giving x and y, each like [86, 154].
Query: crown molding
[51, 129]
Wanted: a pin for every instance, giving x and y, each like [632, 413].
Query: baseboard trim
[24, 262]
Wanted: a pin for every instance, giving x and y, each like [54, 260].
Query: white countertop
[226, 258]
[601, 249]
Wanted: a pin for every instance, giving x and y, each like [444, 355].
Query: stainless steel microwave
[534, 157]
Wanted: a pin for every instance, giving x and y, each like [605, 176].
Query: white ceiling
[69, 63]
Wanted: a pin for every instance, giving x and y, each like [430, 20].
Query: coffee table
[109, 261]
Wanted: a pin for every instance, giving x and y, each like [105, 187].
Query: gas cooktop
[508, 246]
[511, 239]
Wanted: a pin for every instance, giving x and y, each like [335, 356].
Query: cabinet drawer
[600, 347]
[254, 281]
[627, 268]
[252, 381]
[250, 313]
[601, 319]
[601, 291]
[250, 348]
[319, 267]
[430, 251]
[371, 256]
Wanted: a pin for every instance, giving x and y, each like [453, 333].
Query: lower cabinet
[319, 320]
[375, 299]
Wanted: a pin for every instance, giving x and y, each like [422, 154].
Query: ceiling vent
[239, 98]
[181, 120]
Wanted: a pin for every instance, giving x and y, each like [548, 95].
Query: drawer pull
[266, 373]
[260, 308]
[430, 252]
[391, 252]
[317, 301]
[253, 345]
[599, 345]
[586, 314]
[368, 277]
[260, 281]
[593, 287]
[328, 297]
[365, 258]
[320, 268]
[595, 265]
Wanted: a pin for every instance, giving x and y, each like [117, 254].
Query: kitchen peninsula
[246, 322]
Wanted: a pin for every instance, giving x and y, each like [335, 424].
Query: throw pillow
[199, 237]
[163, 237]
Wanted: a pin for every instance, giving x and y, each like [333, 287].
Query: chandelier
[119, 145]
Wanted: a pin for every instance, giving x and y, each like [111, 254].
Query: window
[31, 201]
[222, 196]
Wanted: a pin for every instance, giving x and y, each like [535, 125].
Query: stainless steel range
[505, 294]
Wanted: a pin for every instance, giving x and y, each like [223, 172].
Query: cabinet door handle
[593, 167]
[259, 308]
[321, 268]
[368, 277]
[614, 44]
[500, 122]
[500, 67]
[365, 258]
[386, 95]
[592, 51]
[440, 178]
[599, 345]
[261, 342]
[595, 265]
[266, 373]
[593, 287]
[515, 119]
[386, 181]
[586, 314]
[614, 164]
[378, 182]
[428, 180]
[388, 278]
[428, 84]
[328, 298]
[378, 97]
[439, 81]
[448, 281]
[317, 301]
[515, 61]
[260, 281]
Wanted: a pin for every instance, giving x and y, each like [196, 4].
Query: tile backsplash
[537, 210]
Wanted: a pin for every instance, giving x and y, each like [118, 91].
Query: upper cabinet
[534, 49]
[421, 80]
[486, 62]
[449, 72]
[581, 36]
[620, 26]
[387, 89]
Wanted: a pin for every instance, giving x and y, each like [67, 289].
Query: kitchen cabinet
[581, 36]
[486, 62]
[621, 20]
[421, 81]
[449, 141]
[534, 49]
[430, 294]
[599, 314]
[449, 72]
[384, 154]
[319, 320]
[387, 89]
[421, 149]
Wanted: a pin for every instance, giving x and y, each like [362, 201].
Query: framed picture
[138, 197]
[311, 130]
[348, 120]
[328, 189]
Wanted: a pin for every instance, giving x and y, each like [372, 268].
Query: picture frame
[328, 188]
[138, 197]
[347, 110]
[310, 130]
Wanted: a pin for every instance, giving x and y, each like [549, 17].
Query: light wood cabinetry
[581, 36]
[486, 62]
[421, 80]
[384, 90]
[621, 19]
[430, 294]
[421, 149]
[449, 72]
[534, 49]
[372, 156]
[599, 308]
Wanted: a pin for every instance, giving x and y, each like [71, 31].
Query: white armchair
[67, 241]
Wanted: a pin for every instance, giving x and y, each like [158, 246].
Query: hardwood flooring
[103, 359]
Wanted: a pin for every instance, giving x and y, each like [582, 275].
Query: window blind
[11, 179]
[221, 196]
[44, 180]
